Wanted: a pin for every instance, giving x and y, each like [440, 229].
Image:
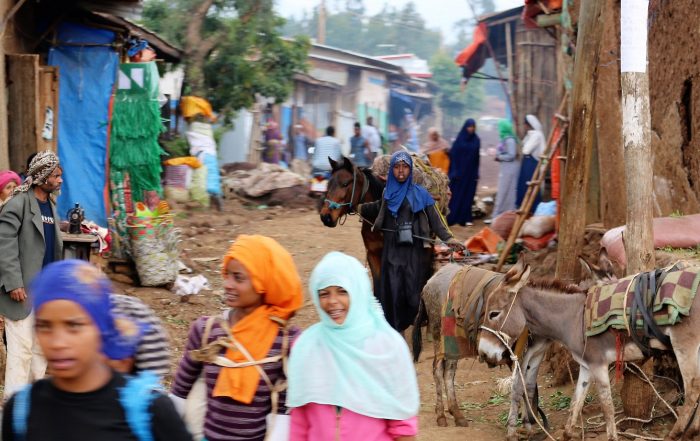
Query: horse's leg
[577, 402]
[599, 373]
[438, 376]
[450, 370]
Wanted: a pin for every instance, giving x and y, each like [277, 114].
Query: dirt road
[206, 236]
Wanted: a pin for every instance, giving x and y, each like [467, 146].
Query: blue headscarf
[396, 192]
[78, 281]
[362, 365]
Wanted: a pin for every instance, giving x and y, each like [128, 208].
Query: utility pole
[637, 396]
[581, 134]
[322, 22]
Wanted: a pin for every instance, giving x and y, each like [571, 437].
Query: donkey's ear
[605, 264]
[516, 271]
[334, 164]
[588, 269]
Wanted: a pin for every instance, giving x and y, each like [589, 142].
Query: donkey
[520, 303]
[348, 187]
[434, 297]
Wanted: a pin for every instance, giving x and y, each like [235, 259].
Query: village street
[206, 236]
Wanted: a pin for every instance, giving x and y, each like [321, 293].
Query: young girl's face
[70, 340]
[335, 301]
[238, 288]
[401, 171]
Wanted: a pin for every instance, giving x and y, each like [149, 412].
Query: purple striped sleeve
[189, 370]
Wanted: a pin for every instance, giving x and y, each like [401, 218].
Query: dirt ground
[206, 236]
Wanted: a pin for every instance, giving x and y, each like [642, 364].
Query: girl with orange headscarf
[240, 353]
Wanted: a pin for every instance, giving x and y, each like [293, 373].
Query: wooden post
[509, 57]
[609, 121]
[637, 395]
[582, 131]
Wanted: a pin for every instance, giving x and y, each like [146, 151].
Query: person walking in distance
[371, 134]
[29, 240]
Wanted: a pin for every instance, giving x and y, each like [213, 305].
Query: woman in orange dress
[437, 150]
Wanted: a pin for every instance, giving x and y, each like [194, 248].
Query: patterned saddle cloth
[610, 305]
[462, 313]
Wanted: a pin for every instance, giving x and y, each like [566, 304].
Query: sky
[437, 17]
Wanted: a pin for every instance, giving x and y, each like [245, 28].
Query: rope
[519, 371]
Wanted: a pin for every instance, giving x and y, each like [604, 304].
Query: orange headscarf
[273, 273]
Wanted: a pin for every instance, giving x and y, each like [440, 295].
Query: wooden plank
[48, 107]
[582, 131]
[23, 118]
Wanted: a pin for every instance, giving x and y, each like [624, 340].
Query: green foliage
[392, 30]
[455, 103]
[176, 147]
[246, 55]
[559, 401]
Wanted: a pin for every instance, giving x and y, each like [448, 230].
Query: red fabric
[675, 232]
[532, 9]
[504, 223]
[480, 35]
[534, 244]
[485, 241]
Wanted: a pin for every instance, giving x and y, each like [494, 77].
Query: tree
[391, 30]
[454, 102]
[232, 48]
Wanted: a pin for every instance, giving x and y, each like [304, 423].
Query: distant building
[413, 66]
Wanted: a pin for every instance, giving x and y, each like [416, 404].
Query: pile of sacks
[261, 181]
[185, 179]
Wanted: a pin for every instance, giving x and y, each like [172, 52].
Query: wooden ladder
[559, 125]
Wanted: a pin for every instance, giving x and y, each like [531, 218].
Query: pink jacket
[321, 422]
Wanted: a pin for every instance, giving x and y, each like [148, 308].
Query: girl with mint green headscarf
[507, 155]
[350, 376]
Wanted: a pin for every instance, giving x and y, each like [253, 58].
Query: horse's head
[342, 187]
[504, 316]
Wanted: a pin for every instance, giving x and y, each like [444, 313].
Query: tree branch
[208, 44]
[193, 35]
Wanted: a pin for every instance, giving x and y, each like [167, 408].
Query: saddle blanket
[609, 305]
[461, 315]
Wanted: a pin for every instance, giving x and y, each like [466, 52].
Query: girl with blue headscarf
[350, 376]
[84, 399]
[408, 219]
[464, 174]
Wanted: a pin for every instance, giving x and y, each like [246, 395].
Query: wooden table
[77, 246]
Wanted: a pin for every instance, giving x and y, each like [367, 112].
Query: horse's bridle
[333, 205]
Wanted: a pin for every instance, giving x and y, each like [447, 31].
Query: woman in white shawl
[533, 147]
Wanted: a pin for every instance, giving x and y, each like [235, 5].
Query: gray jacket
[22, 250]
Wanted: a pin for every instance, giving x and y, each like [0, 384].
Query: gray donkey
[434, 296]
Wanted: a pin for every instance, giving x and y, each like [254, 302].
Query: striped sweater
[227, 419]
[153, 352]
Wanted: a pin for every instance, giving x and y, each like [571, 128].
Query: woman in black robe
[408, 219]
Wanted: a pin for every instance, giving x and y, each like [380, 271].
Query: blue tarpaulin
[87, 78]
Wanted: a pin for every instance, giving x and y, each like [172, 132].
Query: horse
[541, 307]
[434, 297]
[348, 187]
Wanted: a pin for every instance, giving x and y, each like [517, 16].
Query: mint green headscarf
[362, 365]
[505, 129]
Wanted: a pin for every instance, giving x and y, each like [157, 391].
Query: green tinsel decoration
[136, 125]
